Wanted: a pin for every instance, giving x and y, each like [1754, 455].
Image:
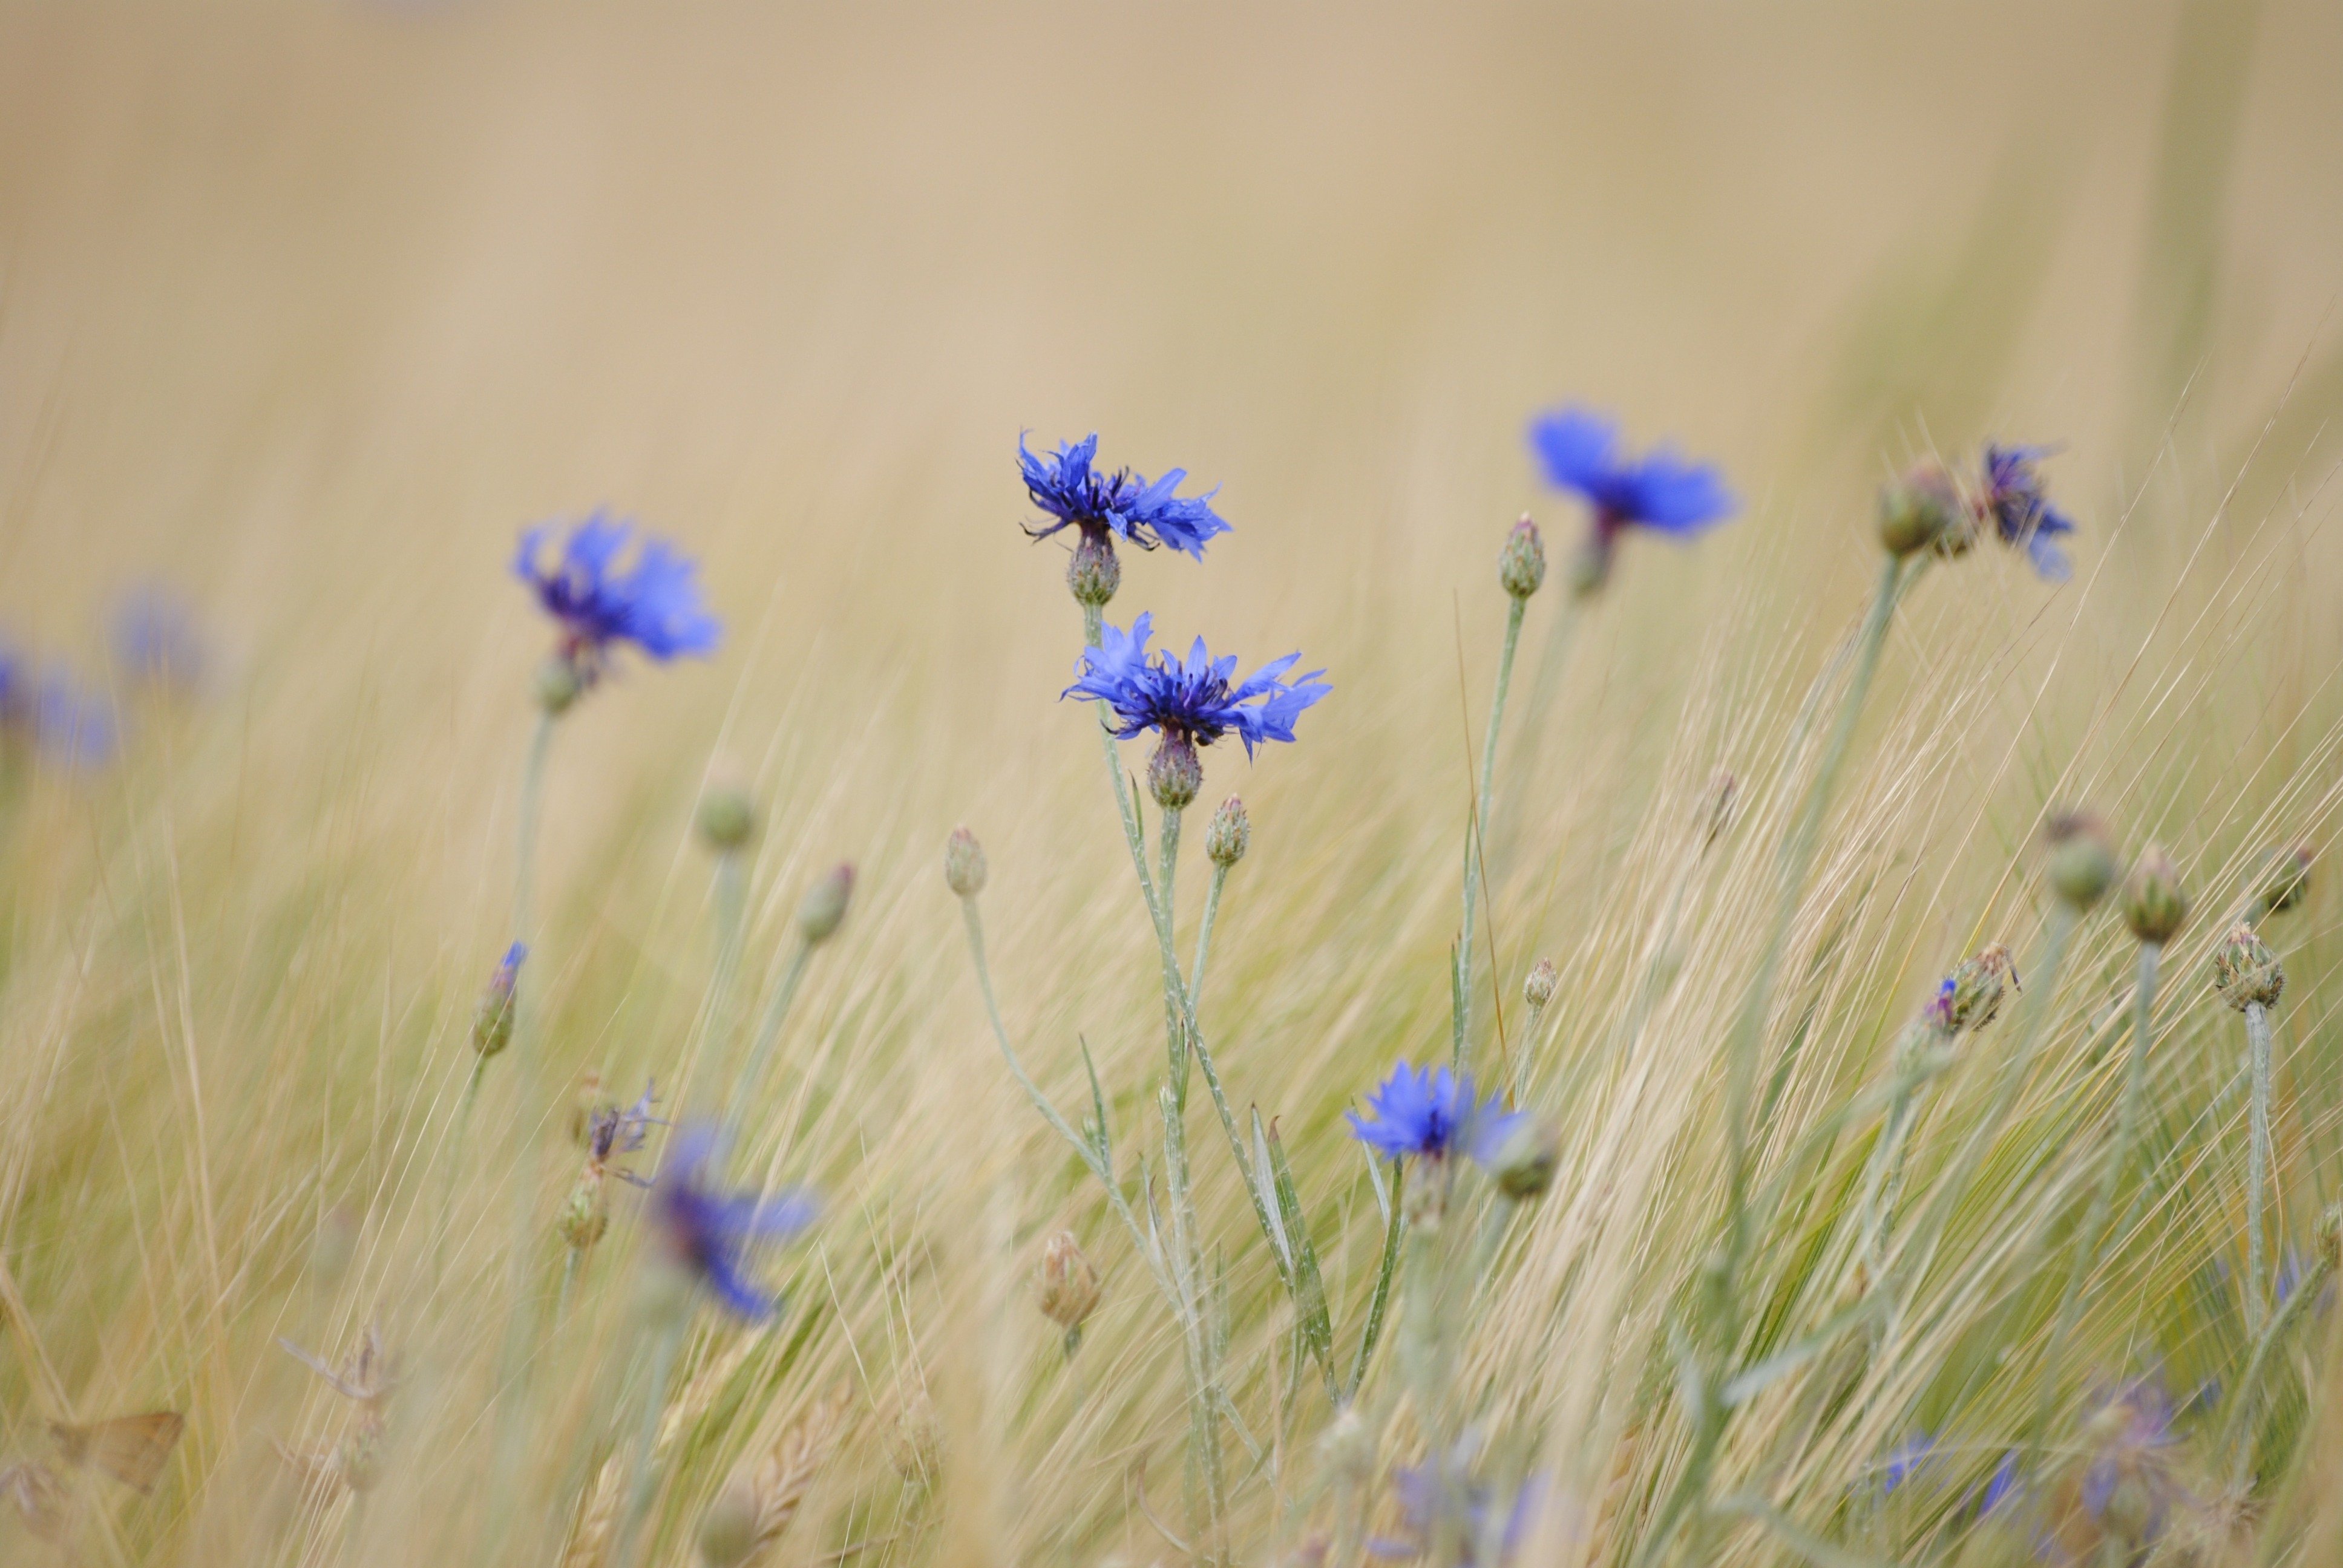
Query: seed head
[1094, 573]
[492, 1021]
[2082, 858]
[1538, 989]
[2278, 882]
[1521, 565]
[824, 908]
[1526, 1159]
[2246, 972]
[1229, 835]
[1174, 773]
[1070, 1284]
[964, 867]
[760, 1497]
[727, 819]
[1920, 511]
[2154, 902]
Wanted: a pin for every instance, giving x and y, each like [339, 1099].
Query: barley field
[1920, 1148]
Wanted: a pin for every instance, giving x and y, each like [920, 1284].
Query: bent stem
[1476, 864]
[2090, 1238]
[2257, 1160]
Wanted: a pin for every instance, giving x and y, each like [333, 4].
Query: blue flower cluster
[1069, 485]
[653, 603]
[1198, 699]
[1660, 491]
[709, 1234]
[1416, 1112]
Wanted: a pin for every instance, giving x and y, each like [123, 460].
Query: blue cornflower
[708, 1233]
[1189, 703]
[1427, 1500]
[1659, 491]
[1907, 1460]
[50, 712]
[1417, 1112]
[2021, 513]
[654, 603]
[1066, 485]
[613, 1130]
[156, 638]
[2129, 1486]
[2006, 1486]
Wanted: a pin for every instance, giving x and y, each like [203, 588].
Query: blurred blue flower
[2021, 513]
[613, 1130]
[1660, 491]
[1905, 1461]
[1432, 1114]
[710, 1234]
[2129, 1486]
[2006, 1485]
[1427, 1500]
[50, 712]
[1198, 700]
[654, 603]
[1068, 486]
[156, 638]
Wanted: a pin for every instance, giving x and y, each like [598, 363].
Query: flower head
[2021, 514]
[1068, 486]
[1198, 700]
[2127, 1486]
[654, 602]
[49, 711]
[708, 1233]
[1430, 1501]
[614, 1129]
[1416, 1111]
[1660, 491]
[492, 1020]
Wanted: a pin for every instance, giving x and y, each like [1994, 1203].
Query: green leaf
[1752, 1381]
[1378, 1302]
[1309, 1289]
[1101, 1139]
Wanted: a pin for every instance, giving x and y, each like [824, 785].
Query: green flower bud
[585, 1215]
[1347, 1448]
[1538, 989]
[728, 819]
[2281, 879]
[2246, 973]
[1521, 565]
[824, 908]
[1920, 509]
[1973, 993]
[1527, 1159]
[1175, 772]
[1229, 835]
[1093, 574]
[964, 867]
[557, 685]
[2082, 858]
[2154, 902]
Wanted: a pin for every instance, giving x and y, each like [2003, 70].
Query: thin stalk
[1175, 991]
[2306, 1291]
[731, 930]
[643, 1483]
[568, 1280]
[1205, 935]
[769, 1030]
[2257, 1160]
[449, 1159]
[2090, 1237]
[1475, 840]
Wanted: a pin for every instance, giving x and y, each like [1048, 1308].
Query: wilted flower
[654, 603]
[492, 1021]
[1123, 505]
[1432, 1115]
[156, 638]
[1538, 989]
[1069, 1285]
[1659, 491]
[2021, 514]
[709, 1235]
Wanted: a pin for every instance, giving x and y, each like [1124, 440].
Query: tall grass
[370, 289]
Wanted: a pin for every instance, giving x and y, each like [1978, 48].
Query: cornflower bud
[492, 1021]
[586, 1213]
[2280, 881]
[1972, 995]
[557, 685]
[1070, 1284]
[824, 906]
[1093, 574]
[1229, 835]
[1527, 1159]
[728, 819]
[2154, 902]
[1521, 565]
[1175, 772]
[2245, 971]
[2082, 861]
[964, 867]
[1921, 509]
[1538, 989]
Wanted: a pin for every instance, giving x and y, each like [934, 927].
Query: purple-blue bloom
[1907, 1460]
[2127, 1438]
[1427, 1500]
[1660, 491]
[52, 713]
[1197, 699]
[710, 1234]
[2020, 511]
[1069, 485]
[613, 1130]
[1417, 1112]
[653, 603]
[156, 638]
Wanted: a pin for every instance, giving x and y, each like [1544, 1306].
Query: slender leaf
[1309, 1286]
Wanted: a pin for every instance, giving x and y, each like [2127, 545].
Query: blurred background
[307, 307]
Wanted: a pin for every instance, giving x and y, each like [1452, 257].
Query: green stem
[2257, 1160]
[769, 1030]
[2306, 1291]
[568, 1280]
[643, 1483]
[1476, 837]
[731, 930]
[1205, 935]
[2090, 1237]
[449, 1159]
[1176, 992]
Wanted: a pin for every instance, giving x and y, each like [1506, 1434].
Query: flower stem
[2090, 1237]
[2257, 1160]
[1205, 935]
[731, 931]
[769, 1030]
[1476, 863]
[643, 1481]
[2306, 1294]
